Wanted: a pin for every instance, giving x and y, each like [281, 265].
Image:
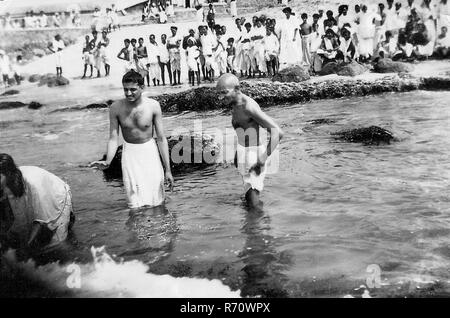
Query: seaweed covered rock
[198, 99]
[292, 74]
[344, 69]
[10, 92]
[34, 78]
[34, 105]
[52, 80]
[351, 69]
[372, 135]
[99, 105]
[186, 152]
[10, 105]
[329, 68]
[387, 65]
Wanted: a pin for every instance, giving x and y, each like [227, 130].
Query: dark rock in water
[292, 74]
[322, 121]
[10, 92]
[34, 105]
[329, 68]
[9, 105]
[351, 69]
[34, 78]
[388, 66]
[435, 83]
[52, 80]
[95, 106]
[202, 152]
[372, 135]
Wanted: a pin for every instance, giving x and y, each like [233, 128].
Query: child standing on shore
[231, 52]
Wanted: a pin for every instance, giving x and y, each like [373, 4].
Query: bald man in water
[251, 153]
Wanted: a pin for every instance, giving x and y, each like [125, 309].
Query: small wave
[106, 277]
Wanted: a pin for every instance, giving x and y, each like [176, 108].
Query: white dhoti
[143, 174]
[306, 47]
[233, 9]
[58, 59]
[246, 158]
[154, 71]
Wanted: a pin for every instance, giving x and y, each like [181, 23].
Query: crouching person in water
[35, 207]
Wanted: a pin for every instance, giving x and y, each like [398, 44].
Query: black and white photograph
[246, 150]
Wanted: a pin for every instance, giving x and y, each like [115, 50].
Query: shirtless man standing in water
[138, 117]
[247, 119]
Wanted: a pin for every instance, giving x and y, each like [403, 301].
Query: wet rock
[96, 106]
[292, 74]
[39, 52]
[372, 135]
[10, 105]
[34, 78]
[351, 69]
[322, 121]
[34, 105]
[329, 68]
[186, 152]
[388, 66]
[10, 92]
[52, 80]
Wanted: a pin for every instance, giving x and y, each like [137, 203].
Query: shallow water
[332, 209]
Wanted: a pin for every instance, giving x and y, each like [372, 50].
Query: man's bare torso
[247, 129]
[136, 121]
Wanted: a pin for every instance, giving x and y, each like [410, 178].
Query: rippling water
[332, 209]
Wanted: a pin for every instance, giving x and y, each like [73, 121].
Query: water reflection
[262, 270]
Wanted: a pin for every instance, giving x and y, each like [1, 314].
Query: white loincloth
[246, 158]
[143, 174]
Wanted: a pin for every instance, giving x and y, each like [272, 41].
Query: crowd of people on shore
[265, 45]
[100, 19]
[158, 10]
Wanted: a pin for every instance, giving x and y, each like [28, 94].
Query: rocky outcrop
[10, 105]
[372, 135]
[34, 105]
[52, 80]
[34, 78]
[10, 92]
[292, 74]
[344, 69]
[388, 66]
[186, 152]
[351, 69]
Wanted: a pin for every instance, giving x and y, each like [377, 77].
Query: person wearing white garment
[233, 8]
[138, 118]
[257, 54]
[442, 49]
[366, 33]
[56, 47]
[402, 15]
[289, 37]
[271, 49]
[390, 22]
[246, 49]
[443, 14]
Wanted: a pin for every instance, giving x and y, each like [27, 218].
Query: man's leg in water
[252, 198]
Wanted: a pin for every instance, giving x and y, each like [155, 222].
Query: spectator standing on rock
[5, 67]
[56, 47]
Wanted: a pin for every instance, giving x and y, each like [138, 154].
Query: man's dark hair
[14, 178]
[127, 40]
[304, 16]
[133, 77]
[230, 40]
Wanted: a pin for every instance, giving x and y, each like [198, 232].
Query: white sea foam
[108, 278]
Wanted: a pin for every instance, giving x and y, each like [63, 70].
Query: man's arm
[113, 139]
[265, 121]
[162, 142]
[120, 55]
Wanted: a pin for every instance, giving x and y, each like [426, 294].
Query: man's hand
[257, 167]
[169, 179]
[101, 165]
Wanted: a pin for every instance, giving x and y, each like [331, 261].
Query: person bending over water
[35, 207]
[247, 118]
[143, 174]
